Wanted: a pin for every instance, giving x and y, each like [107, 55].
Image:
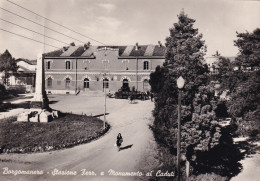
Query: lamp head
[180, 82]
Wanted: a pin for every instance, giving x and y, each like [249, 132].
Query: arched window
[105, 83]
[146, 84]
[67, 82]
[146, 65]
[49, 82]
[67, 65]
[86, 83]
[125, 84]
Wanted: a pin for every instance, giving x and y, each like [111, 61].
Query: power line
[29, 38]
[55, 22]
[34, 31]
[40, 24]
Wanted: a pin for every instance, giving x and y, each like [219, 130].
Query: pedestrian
[142, 96]
[119, 141]
[151, 94]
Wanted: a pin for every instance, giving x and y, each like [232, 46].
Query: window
[125, 84]
[105, 83]
[86, 83]
[67, 65]
[146, 65]
[49, 82]
[146, 84]
[125, 64]
[67, 82]
[48, 65]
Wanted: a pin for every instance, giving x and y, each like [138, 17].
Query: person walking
[151, 97]
[119, 141]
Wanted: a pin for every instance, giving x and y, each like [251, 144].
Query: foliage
[184, 57]
[208, 177]
[223, 159]
[245, 96]
[225, 73]
[248, 45]
[3, 92]
[7, 64]
[243, 83]
[203, 123]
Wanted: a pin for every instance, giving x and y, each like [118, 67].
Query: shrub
[208, 177]
[3, 92]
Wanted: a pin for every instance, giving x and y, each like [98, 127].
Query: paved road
[131, 120]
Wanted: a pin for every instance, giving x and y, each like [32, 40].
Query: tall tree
[248, 45]
[184, 57]
[245, 95]
[7, 65]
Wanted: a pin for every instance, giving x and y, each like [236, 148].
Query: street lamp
[180, 85]
[105, 105]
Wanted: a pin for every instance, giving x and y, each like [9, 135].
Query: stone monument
[40, 110]
[40, 98]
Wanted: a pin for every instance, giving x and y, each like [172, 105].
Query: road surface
[100, 157]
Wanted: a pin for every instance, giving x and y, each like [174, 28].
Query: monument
[40, 98]
[40, 110]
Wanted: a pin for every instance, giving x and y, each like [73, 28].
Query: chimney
[72, 44]
[160, 44]
[136, 46]
[86, 46]
[65, 49]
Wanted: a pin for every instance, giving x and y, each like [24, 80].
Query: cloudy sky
[122, 22]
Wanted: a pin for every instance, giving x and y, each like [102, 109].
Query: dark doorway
[86, 83]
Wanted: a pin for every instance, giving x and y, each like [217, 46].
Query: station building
[74, 69]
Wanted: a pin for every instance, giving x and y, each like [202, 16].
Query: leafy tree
[7, 65]
[244, 92]
[246, 96]
[185, 50]
[249, 52]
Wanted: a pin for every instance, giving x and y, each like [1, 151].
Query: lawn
[66, 131]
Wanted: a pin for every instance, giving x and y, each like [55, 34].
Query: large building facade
[91, 68]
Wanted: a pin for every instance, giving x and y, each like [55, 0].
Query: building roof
[31, 62]
[143, 51]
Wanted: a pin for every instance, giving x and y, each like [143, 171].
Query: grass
[66, 131]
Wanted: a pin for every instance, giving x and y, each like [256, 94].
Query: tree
[184, 57]
[244, 102]
[245, 97]
[226, 75]
[248, 45]
[7, 65]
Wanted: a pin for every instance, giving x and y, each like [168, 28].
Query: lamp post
[105, 105]
[180, 85]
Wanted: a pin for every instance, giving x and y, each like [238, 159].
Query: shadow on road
[53, 102]
[99, 115]
[8, 106]
[134, 102]
[126, 147]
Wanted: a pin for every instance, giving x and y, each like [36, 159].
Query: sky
[122, 22]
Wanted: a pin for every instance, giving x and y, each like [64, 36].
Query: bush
[14, 90]
[3, 92]
[208, 177]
